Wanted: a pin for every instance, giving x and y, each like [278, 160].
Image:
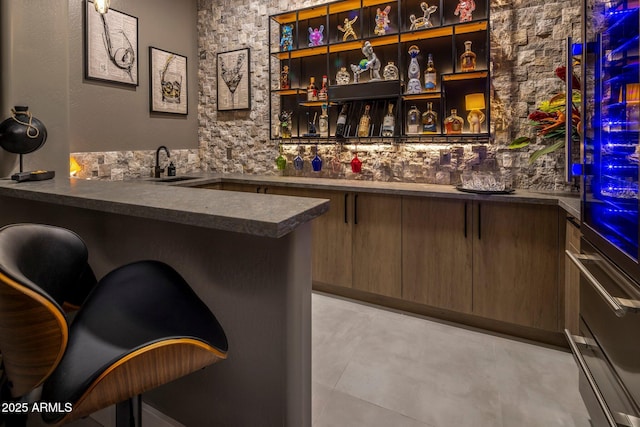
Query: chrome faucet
[157, 170]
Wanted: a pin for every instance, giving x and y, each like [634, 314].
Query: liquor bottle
[413, 121]
[323, 122]
[389, 122]
[284, 78]
[312, 90]
[365, 121]
[430, 75]
[341, 124]
[468, 58]
[429, 120]
[453, 124]
[324, 90]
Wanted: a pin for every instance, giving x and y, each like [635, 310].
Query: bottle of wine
[365, 122]
[430, 75]
[453, 124]
[389, 122]
[341, 124]
[324, 90]
[312, 90]
[429, 120]
[468, 58]
[413, 121]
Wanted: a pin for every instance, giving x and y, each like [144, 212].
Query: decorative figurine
[284, 78]
[424, 22]
[382, 21]
[316, 36]
[285, 124]
[465, 9]
[371, 63]
[286, 41]
[342, 76]
[347, 29]
[414, 86]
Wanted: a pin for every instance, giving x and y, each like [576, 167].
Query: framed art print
[234, 90]
[167, 82]
[111, 46]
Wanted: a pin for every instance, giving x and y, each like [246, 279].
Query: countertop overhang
[254, 214]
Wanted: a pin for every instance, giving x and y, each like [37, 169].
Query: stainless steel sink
[176, 178]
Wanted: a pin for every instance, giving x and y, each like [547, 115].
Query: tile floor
[379, 368]
[374, 367]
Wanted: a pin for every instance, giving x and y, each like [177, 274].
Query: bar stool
[141, 326]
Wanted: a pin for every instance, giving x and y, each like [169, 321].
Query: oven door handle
[613, 419]
[620, 306]
[577, 355]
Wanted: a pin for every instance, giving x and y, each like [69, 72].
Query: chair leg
[125, 412]
[10, 419]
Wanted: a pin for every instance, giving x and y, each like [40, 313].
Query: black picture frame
[111, 46]
[168, 85]
[234, 80]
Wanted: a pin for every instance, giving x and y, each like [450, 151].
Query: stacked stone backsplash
[527, 44]
[121, 165]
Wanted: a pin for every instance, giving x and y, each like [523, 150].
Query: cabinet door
[377, 235]
[332, 237]
[515, 263]
[437, 253]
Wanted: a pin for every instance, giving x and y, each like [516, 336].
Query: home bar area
[391, 208]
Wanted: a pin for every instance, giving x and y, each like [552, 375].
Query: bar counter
[247, 256]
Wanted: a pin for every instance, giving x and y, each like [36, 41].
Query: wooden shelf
[465, 76]
[443, 41]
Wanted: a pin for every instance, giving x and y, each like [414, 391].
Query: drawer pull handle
[620, 306]
[613, 419]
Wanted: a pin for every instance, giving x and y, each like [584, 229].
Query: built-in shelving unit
[444, 40]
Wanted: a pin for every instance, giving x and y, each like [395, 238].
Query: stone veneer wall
[121, 165]
[527, 44]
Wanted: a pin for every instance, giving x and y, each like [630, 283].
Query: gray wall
[41, 59]
[106, 117]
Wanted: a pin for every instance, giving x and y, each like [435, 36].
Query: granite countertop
[255, 214]
[569, 201]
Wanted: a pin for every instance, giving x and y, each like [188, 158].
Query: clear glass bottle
[324, 90]
[430, 75]
[453, 124]
[389, 122]
[323, 122]
[343, 77]
[429, 120]
[341, 124]
[312, 90]
[413, 121]
[390, 71]
[468, 58]
[365, 122]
